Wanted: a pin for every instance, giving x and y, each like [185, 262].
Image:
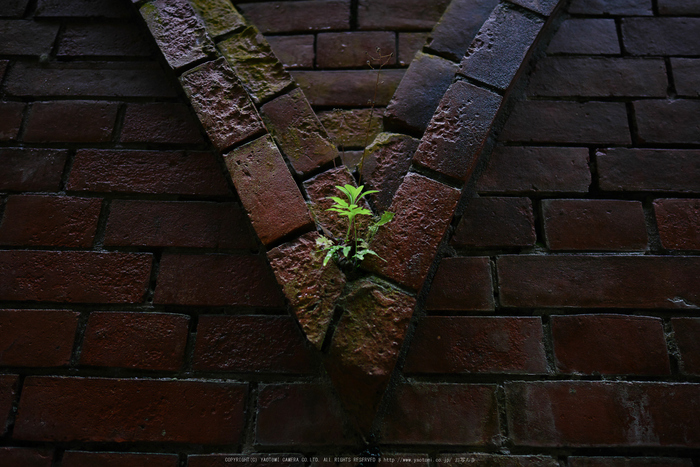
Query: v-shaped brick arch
[260, 120]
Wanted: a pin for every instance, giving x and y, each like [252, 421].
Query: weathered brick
[500, 47]
[589, 414]
[216, 280]
[348, 87]
[13, 8]
[399, 14]
[599, 281]
[352, 128]
[298, 132]
[295, 51]
[196, 173]
[103, 39]
[26, 457]
[159, 122]
[408, 244]
[591, 224]
[496, 222]
[485, 460]
[599, 77]
[543, 7]
[477, 345]
[661, 36]
[419, 93]
[26, 37]
[31, 169]
[74, 276]
[83, 8]
[8, 390]
[678, 221]
[607, 7]
[220, 16]
[71, 122]
[629, 462]
[118, 459]
[568, 122]
[73, 409]
[458, 130]
[678, 7]
[462, 284]
[37, 338]
[409, 44]
[11, 114]
[586, 36]
[302, 16]
[263, 460]
[687, 334]
[622, 169]
[610, 344]
[147, 341]
[523, 169]
[254, 344]
[686, 76]
[3, 66]
[445, 414]
[254, 168]
[298, 414]
[668, 121]
[355, 49]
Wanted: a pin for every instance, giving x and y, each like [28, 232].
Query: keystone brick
[103, 39]
[37, 338]
[31, 169]
[26, 37]
[293, 51]
[462, 284]
[599, 77]
[623, 169]
[73, 409]
[254, 168]
[603, 414]
[342, 88]
[610, 344]
[399, 14]
[355, 49]
[661, 36]
[590, 36]
[587, 224]
[629, 462]
[117, 459]
[216, 280]
[668, 121]
[13, 8]
[678, 7]
[302, 16]
[10, 119]
[254, 344]
[147, 341]
[409, 44]
[451, 414]
[424, 209]
[71, 122]
[349, 128]
[500, 47]
[687, 333]
[477, 345]
[686, 76]
[74, 276]
[83, 8]
[678, 221]
[222, 105]
[26, 457]
[8, 390]
[220, 16]
[568, 122]
[485, 460]
[607, 7]
[147, 172]
[496, 222]
[160, 123]
[543, 7]
[300, 135]
[599, 281]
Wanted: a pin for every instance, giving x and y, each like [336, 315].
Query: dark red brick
[73, 409]
[298, 414]
[37, 338]
[586, 36]
[610, 344]
[219, 16]
[661, 36]
[26, 457]
[263, 460]
[216, 280]
[668, 121]
[687, 334]
[355, 49]
[599, 281]
[160, 123]
[678, 221]
[31, 169]
[178, 224]
[399, 14]
[117, 459]
[588, 224]
[622, 169]
[409, 44]
[255, 344]
[686, 76]
[513, 169]
[477, 345]
[147, 341]
[196, 173]
[83, 8]
[71, 122]
[678, 7]
[351, 88]
[352, 128]
[629, 462]
[486, 460]
[103, 39]
[597, 414]
[444, 414]
[607, 7]
[13, 8]
[11, 114]
[8, 390]
[25, 37]
[496, 222]
[302, 16]
[295, 51]
[568, 122]
[462, 284]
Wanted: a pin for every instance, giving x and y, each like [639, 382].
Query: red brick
[74, 276]
[687, 334]
[585, 36]
[71, 122]
[399, 14]
[629, 462]
[195, 173]
[352, 128]
[11, 114]
[37, 338]
[73, 409]
[178, 224]
[147, 341]
[607, 7]
[603, 414]
[599, 281]
[661, 36]
[668, 121]
[351, 88]
[610, 344]
[117, 459]
[216, 280]
[103, 39]
[253, 344]
[443, 414]
[302, 16]
[13, 8]
[462, 284]
[496, 222]
[82, 8]
[486, 460]
[678, 221]
[686, 76]
[588, 224]
[477, 345]
[293, 51]
[26, 457]
[678, 7]
[527, 170]
[263, 460]
[8, 390]
[31, 169]
[298, 414]
[21, 37]
[409, 44]
[355, 49]
[160, 123]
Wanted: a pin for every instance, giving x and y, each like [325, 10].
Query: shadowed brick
[302, 16]
[117, 459]
[489, 460]
[220, 16]
[159, 123]
[349, 128]
[668, 121]
[462, 284]
[496, 222]
[686, 76]
[348, 87]
[37, 338]
[3, 67]
[11, 114]
[607, 7]
[678, 221]
[543, 7]
[355, 49]
[31, 169]
[585, 36]
[23, 37]
[71, 122]
[293, 51]
[8, 390]
[687, 334]
[459, 24]
[409, 44]
[83, 8]
[661, 36]
[16, 8]
[103, 39]
[26, 457]
[399, 14]
[678, 7]
[629, 462]
[319, 190]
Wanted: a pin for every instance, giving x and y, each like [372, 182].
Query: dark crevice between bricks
[674, 353]
[620, 37]
[79, 339]
[152, 282]
[671, 92]
[70, 159]
[502, 440]
[354, 13]
[250, 415]
[594, 187]
[548, 342]
[480, 84]
[632, 122]
[12, 417]
[330, 330]
[118, 124]
[654, 247]
[538, 221]
[98, 241]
